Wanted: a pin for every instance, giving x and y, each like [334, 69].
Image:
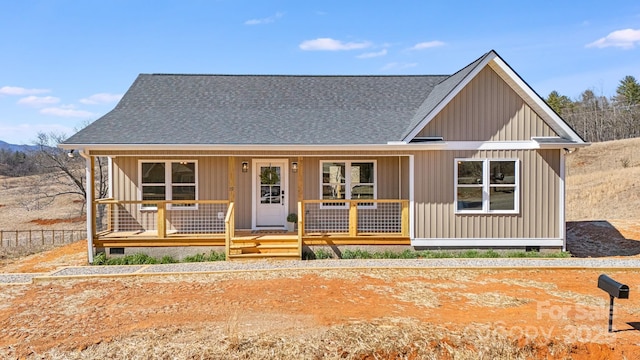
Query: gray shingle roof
[248, 109]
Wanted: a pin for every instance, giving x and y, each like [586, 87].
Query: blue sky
[64, 63]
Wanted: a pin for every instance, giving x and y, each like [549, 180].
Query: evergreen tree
[628, 92]
[559, 103]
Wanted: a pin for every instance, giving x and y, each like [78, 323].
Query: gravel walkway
[89, 271]
[221, 266]
[18, 278]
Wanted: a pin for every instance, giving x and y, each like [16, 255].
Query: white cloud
[266, 20]
[67, 111]
[101, 98]
[427, 45]
[370, 55]
[626, 39]
[14, 90]
[328, 44]
[398, 66]
[38, 101]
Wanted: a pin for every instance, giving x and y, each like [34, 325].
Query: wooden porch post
[404, 218]
[300, 204]
[229, 222]
[300, 180]
[232, 178]
[162, 220]
[353, 218]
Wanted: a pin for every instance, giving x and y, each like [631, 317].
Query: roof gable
[487, 109]
[511, 78]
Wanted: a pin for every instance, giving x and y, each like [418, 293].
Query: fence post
[42, 236]
[17, 244]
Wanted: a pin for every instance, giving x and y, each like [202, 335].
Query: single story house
[474, 159]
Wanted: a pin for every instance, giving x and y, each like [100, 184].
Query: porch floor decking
[150, 239]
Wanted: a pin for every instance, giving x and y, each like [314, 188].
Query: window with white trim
[487, 186]
[347, 180]
[168, 180]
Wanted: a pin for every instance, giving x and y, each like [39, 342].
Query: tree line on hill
[598, 118]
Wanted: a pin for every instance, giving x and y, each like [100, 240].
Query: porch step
[264, 247]
[256, 256]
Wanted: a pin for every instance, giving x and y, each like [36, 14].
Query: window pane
[469, 172]
[503, 172]
[333, 192]
[184, 192]
[502, 198]
[333, 173]
[153, 193]
[270, 175]
[152, 173]
[361, 173]
[270, 194]
[183, 173]
[362, 192]
[469, 198]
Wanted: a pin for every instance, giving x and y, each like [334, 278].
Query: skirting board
[502, 242]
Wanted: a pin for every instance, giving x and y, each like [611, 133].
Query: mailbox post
[615, 290]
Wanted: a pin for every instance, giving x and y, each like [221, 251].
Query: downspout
[89, 189]
[562, 202]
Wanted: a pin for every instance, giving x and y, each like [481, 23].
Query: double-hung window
[348, 180]
[168, 180]
[487, 186]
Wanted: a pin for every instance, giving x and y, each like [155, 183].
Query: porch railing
[230, 224]
[192, 217]
[354, 217]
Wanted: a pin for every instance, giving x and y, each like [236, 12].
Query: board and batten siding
[212, 176]
[539, 216]
[487, 109]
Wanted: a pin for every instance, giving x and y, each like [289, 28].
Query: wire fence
[36, 238]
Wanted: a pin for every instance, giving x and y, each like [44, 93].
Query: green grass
[446, 254]
[144, 259]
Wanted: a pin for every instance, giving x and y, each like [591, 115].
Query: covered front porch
[381, 222]
[242, 203]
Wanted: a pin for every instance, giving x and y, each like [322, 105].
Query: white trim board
[297, 150]
[483, 242]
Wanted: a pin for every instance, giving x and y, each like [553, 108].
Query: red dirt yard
[338, 313]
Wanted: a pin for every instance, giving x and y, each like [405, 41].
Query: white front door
[270, 195]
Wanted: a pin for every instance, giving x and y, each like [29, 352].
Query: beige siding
[487, 109]
[212, 177]
[539, 197]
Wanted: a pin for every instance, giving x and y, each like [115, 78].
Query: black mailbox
[615, 290]
[613, 287]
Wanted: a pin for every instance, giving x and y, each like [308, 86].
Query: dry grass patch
[602, 181]
[576, 298]
[21, 205]
[495, 300]
[385, 339]
[525, 283]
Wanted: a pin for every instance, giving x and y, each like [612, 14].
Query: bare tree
[63, 174]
